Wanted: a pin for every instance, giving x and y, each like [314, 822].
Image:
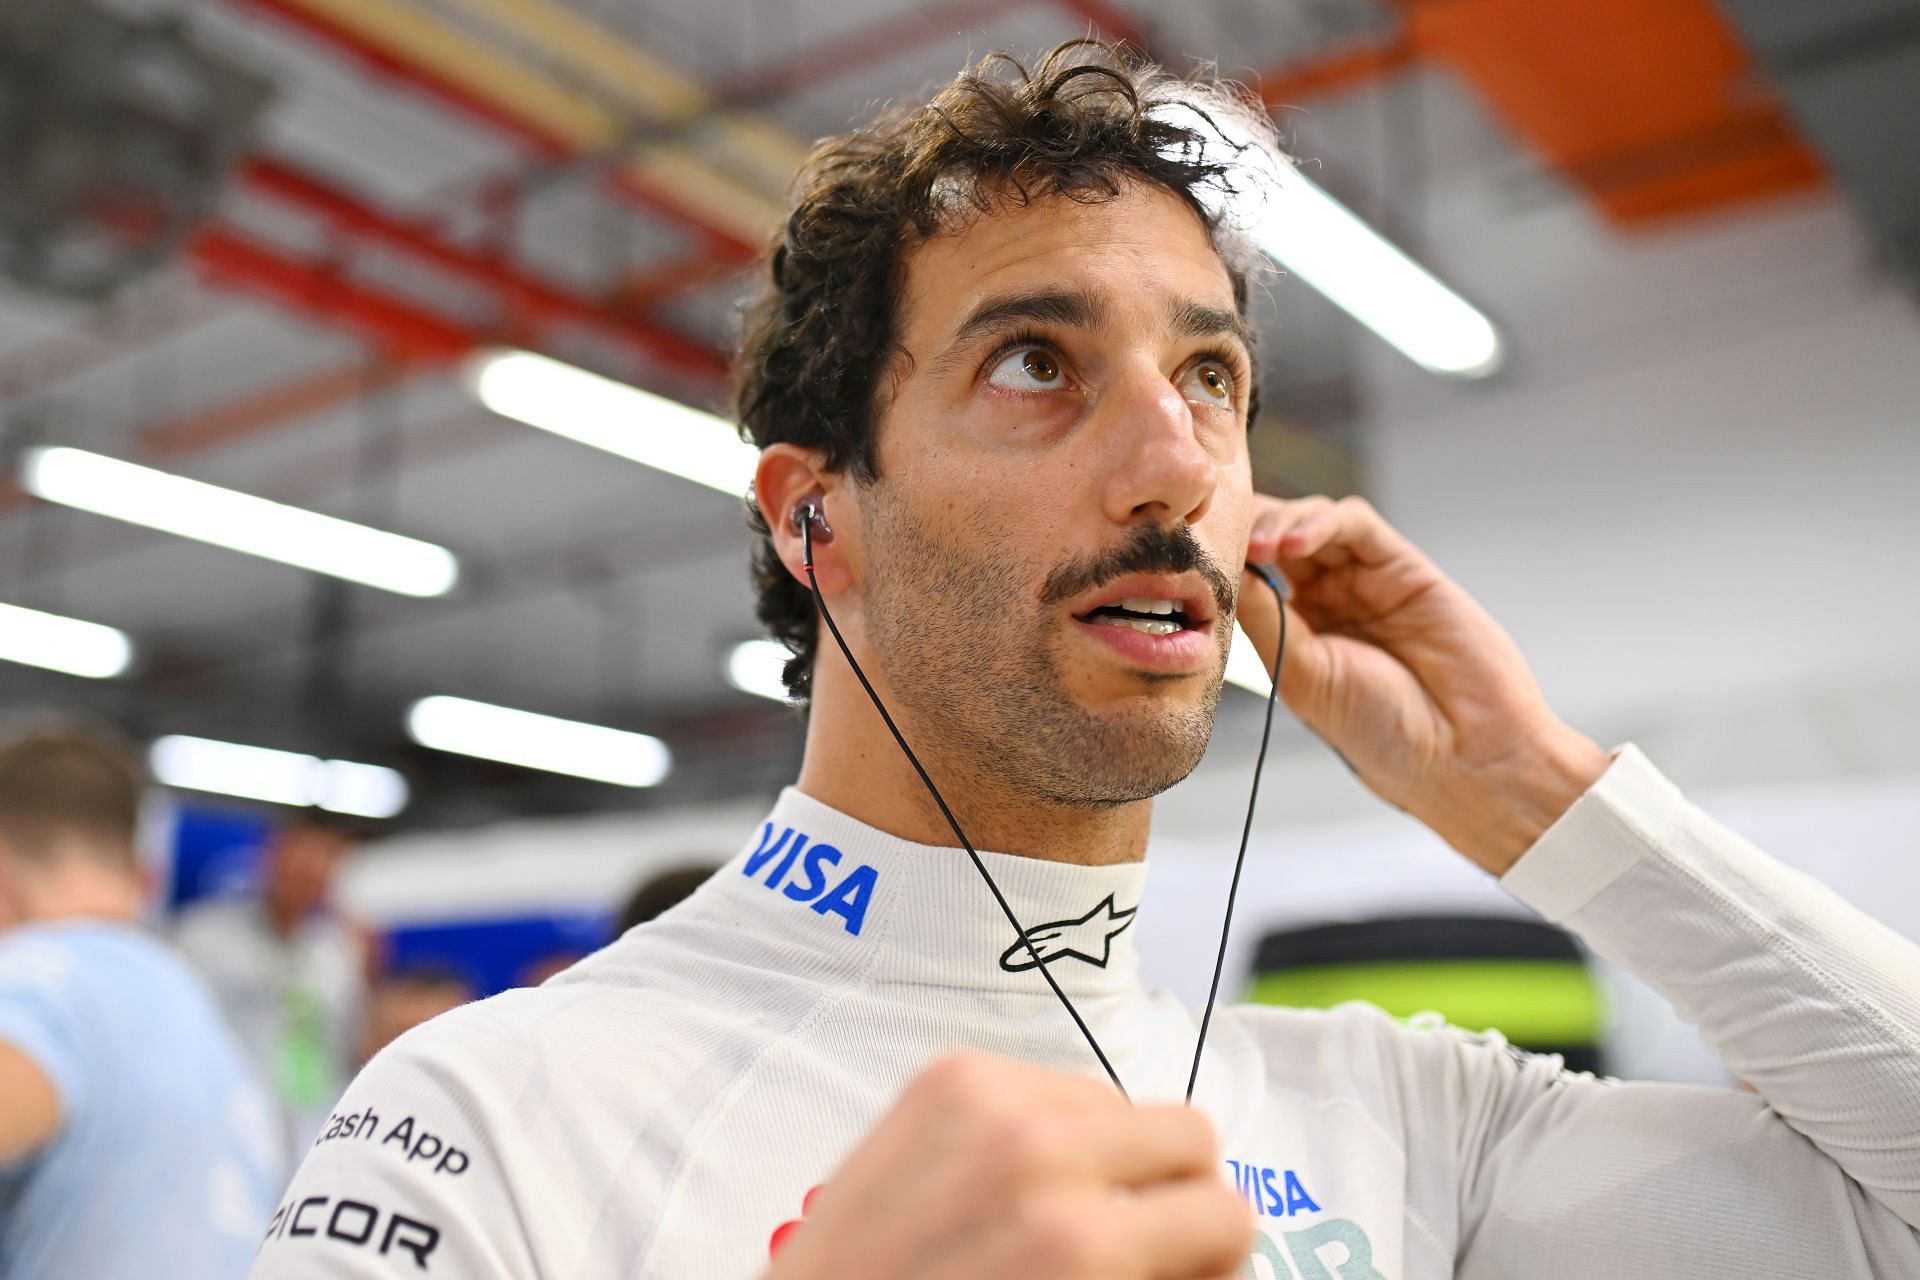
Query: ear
[787, 476]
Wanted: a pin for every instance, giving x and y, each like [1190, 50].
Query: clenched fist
[988, 1169]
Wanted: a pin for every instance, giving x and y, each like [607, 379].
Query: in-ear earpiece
[809, 517]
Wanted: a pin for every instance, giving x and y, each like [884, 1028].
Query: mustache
[1148, 548]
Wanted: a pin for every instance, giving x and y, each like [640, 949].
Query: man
[290, 974]
[1005, 362]
[134, 1140]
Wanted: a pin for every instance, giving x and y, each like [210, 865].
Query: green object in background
[1528, 1001]
[304, 1075]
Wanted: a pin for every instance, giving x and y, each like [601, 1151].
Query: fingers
[1324, 532]
[1188, 1230]
[1004, 1169]
[1154, 1144]
[973, 1084]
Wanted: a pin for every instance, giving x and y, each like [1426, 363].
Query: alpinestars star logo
[1089, 938]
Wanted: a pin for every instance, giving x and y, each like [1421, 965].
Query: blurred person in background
[658, 894]
[549, 965]
[135, 1139]
[290, 972]
[652, 897]
[404, 997]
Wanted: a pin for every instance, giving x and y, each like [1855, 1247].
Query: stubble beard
[974, 663]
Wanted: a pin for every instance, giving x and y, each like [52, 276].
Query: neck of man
[853, 764]
[74, 885]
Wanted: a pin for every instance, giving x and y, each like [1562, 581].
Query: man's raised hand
[1410, 680]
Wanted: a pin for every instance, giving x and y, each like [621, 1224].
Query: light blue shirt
[166, 1161]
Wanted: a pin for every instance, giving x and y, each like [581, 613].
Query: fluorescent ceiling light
[539, 742]
[1322, 242]
[1244, 666]
[62, 644]
[754, 667]
[281, 777]
[237, 521]
[647, 428]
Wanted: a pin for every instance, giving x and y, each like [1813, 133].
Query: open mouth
[1143, 614]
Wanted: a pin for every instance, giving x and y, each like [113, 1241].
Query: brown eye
[1028, 369]
[1210, 383]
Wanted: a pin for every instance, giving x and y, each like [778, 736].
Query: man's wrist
[1515, 805]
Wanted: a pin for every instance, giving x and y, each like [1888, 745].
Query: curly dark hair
[819, 348]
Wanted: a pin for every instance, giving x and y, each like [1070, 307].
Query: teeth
[1151, 626]
[1140, 604]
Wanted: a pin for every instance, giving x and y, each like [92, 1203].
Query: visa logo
[848, 898]
[1273, 1193]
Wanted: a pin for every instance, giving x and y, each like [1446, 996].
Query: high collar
[850, 897]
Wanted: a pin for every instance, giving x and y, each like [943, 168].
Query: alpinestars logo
[1088, 937]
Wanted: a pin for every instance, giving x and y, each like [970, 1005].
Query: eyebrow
[1081, 309]
[1190, 319]
[1074, 308]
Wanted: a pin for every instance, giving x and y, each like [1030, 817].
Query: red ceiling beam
[349, 43]
[408, 333]
[523, 296]
[404, 329]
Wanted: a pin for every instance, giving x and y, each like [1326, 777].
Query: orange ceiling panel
[1650, 106]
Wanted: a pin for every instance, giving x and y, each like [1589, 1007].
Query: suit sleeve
[1807, 999]
[418, 1171]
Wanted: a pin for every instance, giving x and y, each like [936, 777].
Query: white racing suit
[663, 1107]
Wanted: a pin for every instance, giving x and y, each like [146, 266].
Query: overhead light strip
[650, 429]
[237, 521]
[1327, 246]
[535, 741]
[1359, 270]
[62, 644]
[279, 777]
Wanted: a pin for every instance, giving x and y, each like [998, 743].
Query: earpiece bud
[810, 519]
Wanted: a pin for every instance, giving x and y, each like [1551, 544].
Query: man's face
[301, 867]
[1055, 539]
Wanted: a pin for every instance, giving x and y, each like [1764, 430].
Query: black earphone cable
[1240, 858]
[806, 540]
[804, 520]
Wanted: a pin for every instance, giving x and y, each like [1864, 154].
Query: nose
[1158, 468]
